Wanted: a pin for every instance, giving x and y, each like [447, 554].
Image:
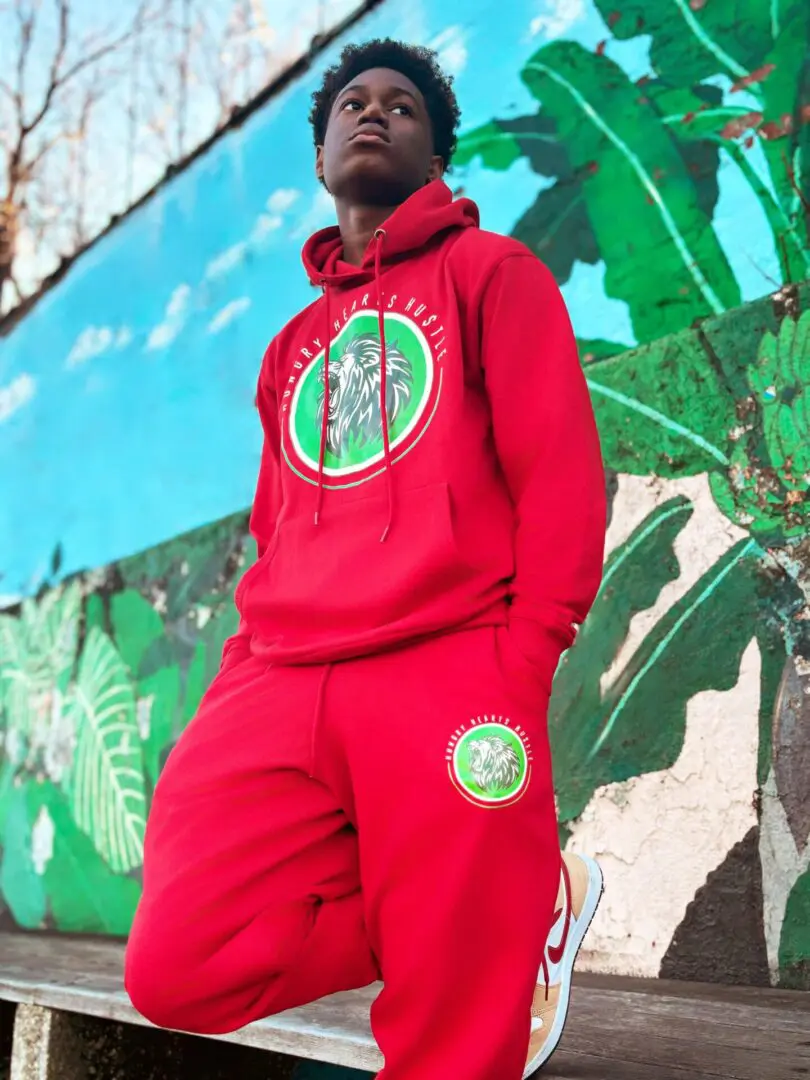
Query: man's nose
[374, 113]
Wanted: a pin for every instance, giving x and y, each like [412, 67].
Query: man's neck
[357, 225]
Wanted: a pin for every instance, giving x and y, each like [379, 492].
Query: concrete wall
[654, 159]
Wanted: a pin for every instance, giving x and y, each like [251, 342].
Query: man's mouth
[370, 135]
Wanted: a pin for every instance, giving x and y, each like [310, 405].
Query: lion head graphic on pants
[354, 393]
[494, 764]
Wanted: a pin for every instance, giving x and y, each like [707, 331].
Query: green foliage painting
[634, 165]
[97, 679]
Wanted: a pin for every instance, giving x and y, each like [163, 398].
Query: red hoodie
[476, 498]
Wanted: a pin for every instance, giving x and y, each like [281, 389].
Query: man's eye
[404, 110]
[351, 105]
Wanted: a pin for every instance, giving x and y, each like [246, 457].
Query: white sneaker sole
[572, 946]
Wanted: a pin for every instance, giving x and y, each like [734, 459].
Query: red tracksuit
[366, 790]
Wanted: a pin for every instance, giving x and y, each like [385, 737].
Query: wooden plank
[620, 1029]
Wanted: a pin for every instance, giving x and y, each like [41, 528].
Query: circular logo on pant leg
[354, 432]
[490, 761]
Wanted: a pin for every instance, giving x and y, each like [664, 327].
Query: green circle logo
[490, 763]
[354, 437]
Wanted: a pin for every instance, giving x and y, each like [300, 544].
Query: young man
[366, 790]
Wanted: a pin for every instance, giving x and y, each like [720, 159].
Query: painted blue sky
[126, 412]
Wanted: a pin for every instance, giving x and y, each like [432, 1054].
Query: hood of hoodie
[427, 214]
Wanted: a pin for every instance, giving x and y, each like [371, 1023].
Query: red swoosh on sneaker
[555, 952]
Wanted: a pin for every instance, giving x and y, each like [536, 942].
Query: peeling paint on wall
[658, 836]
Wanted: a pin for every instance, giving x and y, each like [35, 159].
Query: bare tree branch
[57, 81]
[25, 21]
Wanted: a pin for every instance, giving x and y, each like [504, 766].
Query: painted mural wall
[655, 155]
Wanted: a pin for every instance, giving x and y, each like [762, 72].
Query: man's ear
[319, 162]
[436, 169]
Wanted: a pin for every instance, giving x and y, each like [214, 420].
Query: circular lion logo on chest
[490, 763]
[354, 430]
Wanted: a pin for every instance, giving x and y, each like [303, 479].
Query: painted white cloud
[321, 212]
[18, 393]
[176, 314]
[557, 18]
[282, 200]
[178, 302]
[451, 45]
[278, 203]
[225, 316]
[226, 261]
[92, 341]
[95, 340]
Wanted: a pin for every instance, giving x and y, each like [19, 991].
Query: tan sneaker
[580, 891]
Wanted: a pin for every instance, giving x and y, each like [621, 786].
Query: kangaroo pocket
[338, 581]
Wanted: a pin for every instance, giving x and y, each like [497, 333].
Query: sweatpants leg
[440, 754]
[251, 900]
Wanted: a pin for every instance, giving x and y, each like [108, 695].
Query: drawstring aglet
[317, 517]
[386, 531]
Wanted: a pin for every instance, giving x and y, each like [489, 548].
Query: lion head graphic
[354, 393]
[494, 764]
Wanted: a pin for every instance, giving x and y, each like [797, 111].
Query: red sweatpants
[318, 828]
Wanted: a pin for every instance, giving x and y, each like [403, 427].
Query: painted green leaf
[37, 655]
[557, 229]
[765, 488]
[662, 409]
[634, 575]
[198, 568]
[781, 381]
[195, 683]
[681, 110]
[794, 946]
[784, 90]
[722, 37]
[214, 634]
[135, 625]
[669, 267]
[94, 612]
[157, 712]
[21, 868]
[83, 894]
[604, 736]
[500, 143]
[591, 349]
[498, 149]
[107, 792]
[678, 100]
[6, 789]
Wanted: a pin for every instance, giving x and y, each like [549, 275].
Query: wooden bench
[620, 1029]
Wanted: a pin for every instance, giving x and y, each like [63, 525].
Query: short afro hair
[419, 64]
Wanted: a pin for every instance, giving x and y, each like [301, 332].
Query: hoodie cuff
[539, 646]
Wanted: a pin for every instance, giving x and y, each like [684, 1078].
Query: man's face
[378, 148]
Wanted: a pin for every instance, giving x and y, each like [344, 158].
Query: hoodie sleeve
[267, 501]
[548, 447]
